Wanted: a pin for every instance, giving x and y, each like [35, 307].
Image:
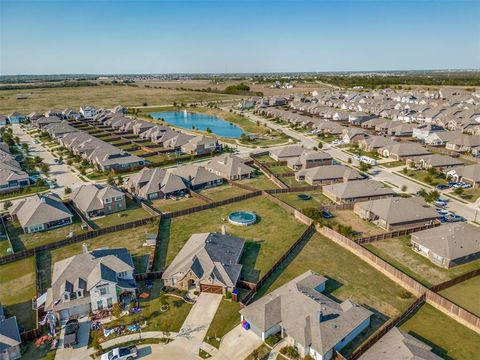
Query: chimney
[224, 229]
[84, 248]
[319, 316]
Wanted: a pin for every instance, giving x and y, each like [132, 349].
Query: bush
[290, 352]
[7, 204]
[116, 310]
[273, 339]
[228, 295]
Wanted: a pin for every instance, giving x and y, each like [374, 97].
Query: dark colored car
[443, 187]
[326, 214]
[71, 333]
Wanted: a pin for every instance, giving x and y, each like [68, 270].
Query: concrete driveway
[237, 344]
[80, 351]
[187, 343]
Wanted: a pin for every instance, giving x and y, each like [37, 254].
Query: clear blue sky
[122, 36]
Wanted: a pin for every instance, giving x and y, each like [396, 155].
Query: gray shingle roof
[92, 197]
[228, 166]
[358, 189]
[9, 333]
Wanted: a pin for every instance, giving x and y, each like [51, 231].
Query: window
[108, 200]
[119, 206]
[109, 302]
[100, 305]
[118, 198]
[103, 290]
[66, 297]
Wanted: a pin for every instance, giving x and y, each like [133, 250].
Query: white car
[124, 353]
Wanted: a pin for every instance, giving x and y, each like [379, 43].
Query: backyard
[348, 278]
[225, 319]
[169, 205]
[361, 228]
[267, 240]
[17, 289]
[400, 255]
[317, 200]
[133, 212]
[466, 294]
[223, 192]
[448, 338]
[260, 182]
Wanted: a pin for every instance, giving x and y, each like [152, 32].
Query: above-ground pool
[304, 197]
[242, 218]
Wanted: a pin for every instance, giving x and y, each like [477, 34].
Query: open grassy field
[169, 205]
[132, 213]
[17, 288]
[317, 200]
[466, 294]
[399, 254]
[267, 240]
[348, 278]
[225, 319]
[21, 241]
[448, 338]
[223, 192]
[107, 96]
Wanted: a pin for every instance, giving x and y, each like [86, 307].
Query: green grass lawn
[392, 164]
[466, 294]
[360, 152]
[169, 205]
[260, 182]
[317, 200]
[470, 195]
[362, 228]
[132, 213]
[168, 321]
[262, 353]
[21, 241]
[225, 319]
[424, 176]
[267, 240]
[399, 254]
[223, 192]
[349, 277]
[291, 182]
[24, 192]
[282, 169]
[17, 288]
[448, 338]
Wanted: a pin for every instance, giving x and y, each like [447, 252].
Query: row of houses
[12, 176]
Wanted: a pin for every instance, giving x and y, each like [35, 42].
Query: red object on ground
[144, 295]
[41, 340]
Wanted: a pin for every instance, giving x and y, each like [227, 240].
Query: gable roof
[9, 333]
[92, 196]
[331, 172]
[361, 188]
[228, 166]
[195, 174]
[148, 181]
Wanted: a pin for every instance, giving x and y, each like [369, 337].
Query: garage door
[211, 289]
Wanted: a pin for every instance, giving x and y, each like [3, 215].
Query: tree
[364, 166]
[404, 188]
[349, 160]
[428, 179]
[405, 170]
[459, 191]
[7, 204]
[110, 180]
[119, 180]
[256, 354]
[432, 171]
[67, 190]
[44, 168]
[25, 147]
[39, 182]
[320, 145]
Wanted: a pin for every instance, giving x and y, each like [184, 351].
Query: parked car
[443, 187]
[442, 212]
[123, 353]
[326, 214]
[466, 186]
[71, 333]
[36, 142]
[440, 203]
[356, 157]
[58, 161]
[452, 217]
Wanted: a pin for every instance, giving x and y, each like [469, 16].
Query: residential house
[42, 122]
[88, 112]
[328, 174]
[197, 177]
[352, 135]
[309, 159]
[141, 126]
[373, 143]
[397, 344]
[354, 191]
[208, 262]
[16, 118]
[59, 130]
[441, 162]
[3, 120]
[396, 213]
[403, 150]
[440, 138]
[422, 132]
[91, 282]
[313, 323]
[10, 339]
[283, 153]
[230, 167]
[448, 245]
[71, 114]
[465, 143]
[12, 177]
[40, 212]
[469, 174]
[200, 145]
[96, 200]
[150, 184]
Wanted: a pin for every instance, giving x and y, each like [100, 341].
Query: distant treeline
[240, 89]
[382, 82]
[48, 85]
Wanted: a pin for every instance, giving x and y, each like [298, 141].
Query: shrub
[273, 339]
[7, 204]
[290, 352]
[228, 295]
[67, 190]
[116, 310]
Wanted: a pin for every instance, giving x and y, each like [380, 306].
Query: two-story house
[96, 200]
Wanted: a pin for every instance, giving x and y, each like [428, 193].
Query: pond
[187, 120]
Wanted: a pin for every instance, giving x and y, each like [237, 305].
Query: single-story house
[328, 174]
[283, 153]
[308, 320]
[469, 174]
[40, 123]
[352, 135]
[374, 142]
[396, 213]
[150, 184]
[437, 161]
[309, 159]
[397, 344]
[403, 150]
[10, 339]
[208, 262]
[354, 191]
[91, 282]
[40, 212]
[96, 200]
[464, 143]
[440, 138]
[196, 177]
[12, 177]
[448, 245]
[230, 167]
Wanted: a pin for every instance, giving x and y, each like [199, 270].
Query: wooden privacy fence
[76, 238]
[241, 186]
[305, 235]
[152, 275]
[290, 209]
[200, 197]
[449, 283]
[269, 174]
[394, 234]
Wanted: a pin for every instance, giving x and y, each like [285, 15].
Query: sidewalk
[136, 336]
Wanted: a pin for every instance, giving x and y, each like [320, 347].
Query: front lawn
[17, 289]
[448, 338]
[267, 240]
[150, 317]
[225, 319]
[392, 164]
[349, 277]
[360, 152]
[131, 213]
[223, 192]
[466, 294]
[400, 255]
[425, 177]
[317, 200]
[470, 195]
[24, 192]
[21, 241]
